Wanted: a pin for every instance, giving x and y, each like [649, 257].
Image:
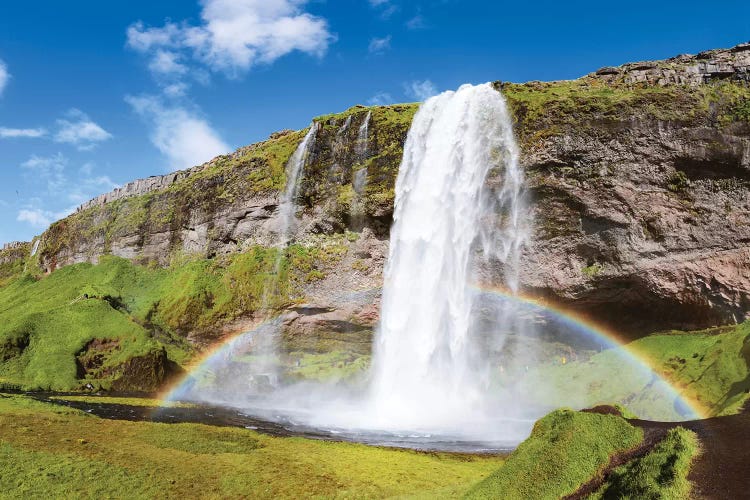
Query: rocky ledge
[638, 188]
[685, 69]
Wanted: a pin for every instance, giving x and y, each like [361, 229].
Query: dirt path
[651, 437]
[722, 470]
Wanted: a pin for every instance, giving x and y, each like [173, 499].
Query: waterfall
[294, 169]
[359, 179]
[428, 368]
[363, 136]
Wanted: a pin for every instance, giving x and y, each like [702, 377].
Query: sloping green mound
[662, 474]
[565, 450]
[711, 367]
[87, 323]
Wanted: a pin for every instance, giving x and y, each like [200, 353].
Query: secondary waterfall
[294, 168]
[428, 369]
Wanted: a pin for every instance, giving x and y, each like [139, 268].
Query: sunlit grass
[62, 452]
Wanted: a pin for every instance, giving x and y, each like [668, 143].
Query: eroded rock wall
[638, 188]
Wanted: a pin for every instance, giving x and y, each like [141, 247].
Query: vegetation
[710, 368]
[661, 474]
[49, 451]
[565, 449]
[93, 318]
[542, 109]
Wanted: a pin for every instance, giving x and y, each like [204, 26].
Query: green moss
[45, 323]
[592, 270]
[564, 451]
[327, 366]
[711, 368]
[678, 182]
[662, 474]
[543, 109]
[78, 455]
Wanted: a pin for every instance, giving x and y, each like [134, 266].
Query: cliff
[638, 189]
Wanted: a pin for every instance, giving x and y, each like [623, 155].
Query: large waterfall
[428, 367]
[460, 361]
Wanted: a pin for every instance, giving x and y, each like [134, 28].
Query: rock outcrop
[638, 182]
[706, 67]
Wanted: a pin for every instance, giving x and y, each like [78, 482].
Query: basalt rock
[638, 183]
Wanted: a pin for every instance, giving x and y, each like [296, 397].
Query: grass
[710, 367]
[47, 323]
[52, 451]
[662, 474]
[565, 449]
[146, 402]
[542, 109]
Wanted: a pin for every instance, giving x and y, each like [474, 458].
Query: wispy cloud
[57, 192]
[36, 217]
[180, 134]
[379, 45]
[4, 76]
[30, 133]
[380, 99]
[421, 90]
[386, 7]
[232, 37]
[47, 169]
[416, 23]
[80, 131]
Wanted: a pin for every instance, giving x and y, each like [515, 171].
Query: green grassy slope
[662, 474]
[711, 367]
[564, 451]
[134, 310]
[48, 451]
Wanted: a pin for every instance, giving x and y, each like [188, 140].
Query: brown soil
[651, 437]
[722, 470]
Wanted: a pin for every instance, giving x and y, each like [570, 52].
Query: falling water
[429, 371]
[294, 169]
[363, 136]
[442, 376]
[359, 180]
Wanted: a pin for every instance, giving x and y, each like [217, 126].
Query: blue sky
[94, 94]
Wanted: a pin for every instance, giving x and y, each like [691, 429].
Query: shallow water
[276, 425]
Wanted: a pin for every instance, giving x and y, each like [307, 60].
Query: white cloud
[165, 62]
[183, 137]
[80, 131]
[379, 45]
[175, 90]
[49, 169]
[4, 76]
[11, 133]
[36, 217]
[233, 36]
[380, 99]
[40, 218]
[420, 90]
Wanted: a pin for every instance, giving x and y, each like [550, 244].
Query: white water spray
[429, 371]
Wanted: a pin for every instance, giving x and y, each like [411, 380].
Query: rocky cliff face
[638, 182]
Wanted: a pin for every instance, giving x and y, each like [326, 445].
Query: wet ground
[280, 427]
[721, 471]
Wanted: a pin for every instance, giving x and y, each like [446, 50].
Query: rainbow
[578, 322]
[600, 333]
